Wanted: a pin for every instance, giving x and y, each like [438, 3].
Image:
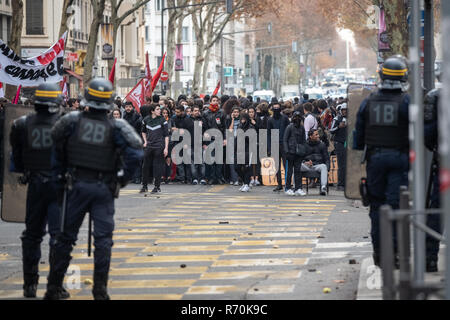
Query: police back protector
[91, 146]
[37, 149]
[384, 126]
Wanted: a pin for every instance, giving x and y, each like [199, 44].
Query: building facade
[234, 52]
[5, 19]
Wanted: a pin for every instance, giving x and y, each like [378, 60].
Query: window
[35, 17]
[147, 35]
[7, 2]
[159, 3]
[186, 65]
[185, 34]
[8, 28]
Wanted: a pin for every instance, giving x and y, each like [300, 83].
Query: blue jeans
[386, 172]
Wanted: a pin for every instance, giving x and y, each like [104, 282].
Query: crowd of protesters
[318, 124]
[322, 124]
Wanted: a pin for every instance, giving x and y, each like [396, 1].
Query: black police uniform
[382, 126]
[340, 139]
[88, 146]
[31, 144]
[431, 142]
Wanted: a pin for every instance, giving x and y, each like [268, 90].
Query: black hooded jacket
[134, 119]
[318, 153]
[292, 136]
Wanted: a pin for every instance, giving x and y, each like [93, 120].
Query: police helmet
[394, 73]
[48, 96]
[98, 95]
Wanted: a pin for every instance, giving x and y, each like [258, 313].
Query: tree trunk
[397, 27]
[15, 40]
[99, 7]
[199, 61]
[179, 38]
[65, 17]
[205, 71]
[170, 57]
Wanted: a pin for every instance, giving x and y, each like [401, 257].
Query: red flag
[16, 99]
[113, 72]
[158, 73]
[2, 92]
[217, 89]
[136, 95]
[148, 76]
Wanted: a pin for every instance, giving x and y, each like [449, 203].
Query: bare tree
[98, 7]
[65, 17]
[117, 20]
[15, 39]
[174, 15]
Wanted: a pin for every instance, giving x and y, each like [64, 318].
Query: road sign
[164, 76]
[228, 71]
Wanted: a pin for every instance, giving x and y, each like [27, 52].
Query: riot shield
[14, 195]
[354, 170]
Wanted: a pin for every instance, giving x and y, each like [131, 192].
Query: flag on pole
[136, 95]
[148, 77]
[113, 72]
[16, 99]
[217, 89]
[158, 73]
[2, 92]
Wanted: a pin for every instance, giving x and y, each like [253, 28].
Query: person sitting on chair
[318, 159]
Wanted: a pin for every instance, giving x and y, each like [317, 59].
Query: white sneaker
[289, 192]
[300, 192]
[252, 182]
[245, 188]
[236, 183]
[257, 183]
[242, 187]
[231, 183]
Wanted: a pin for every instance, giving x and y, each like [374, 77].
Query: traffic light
[229, 6]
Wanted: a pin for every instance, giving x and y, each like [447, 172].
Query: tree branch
[136, 6]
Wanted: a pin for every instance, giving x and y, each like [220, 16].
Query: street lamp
[268, 29]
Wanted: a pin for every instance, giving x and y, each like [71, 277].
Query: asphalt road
[214, 242]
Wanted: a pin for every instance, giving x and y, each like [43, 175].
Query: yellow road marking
[203, 239]
[267, 251]
[258, 262]
[214, 227]
[114, 255]
[277, 234]
[181, 258]
[272, 242]
[224, 289]
[165, 283]
[236, 231]
[157, 249]
[156, 271]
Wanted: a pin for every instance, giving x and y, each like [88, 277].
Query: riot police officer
[31, 143]
[382, 126]
[433, 201]
[88, 147]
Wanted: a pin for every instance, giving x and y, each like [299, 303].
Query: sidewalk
[370, 281]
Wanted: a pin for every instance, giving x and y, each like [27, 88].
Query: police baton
[67, 189]
[89, 235]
